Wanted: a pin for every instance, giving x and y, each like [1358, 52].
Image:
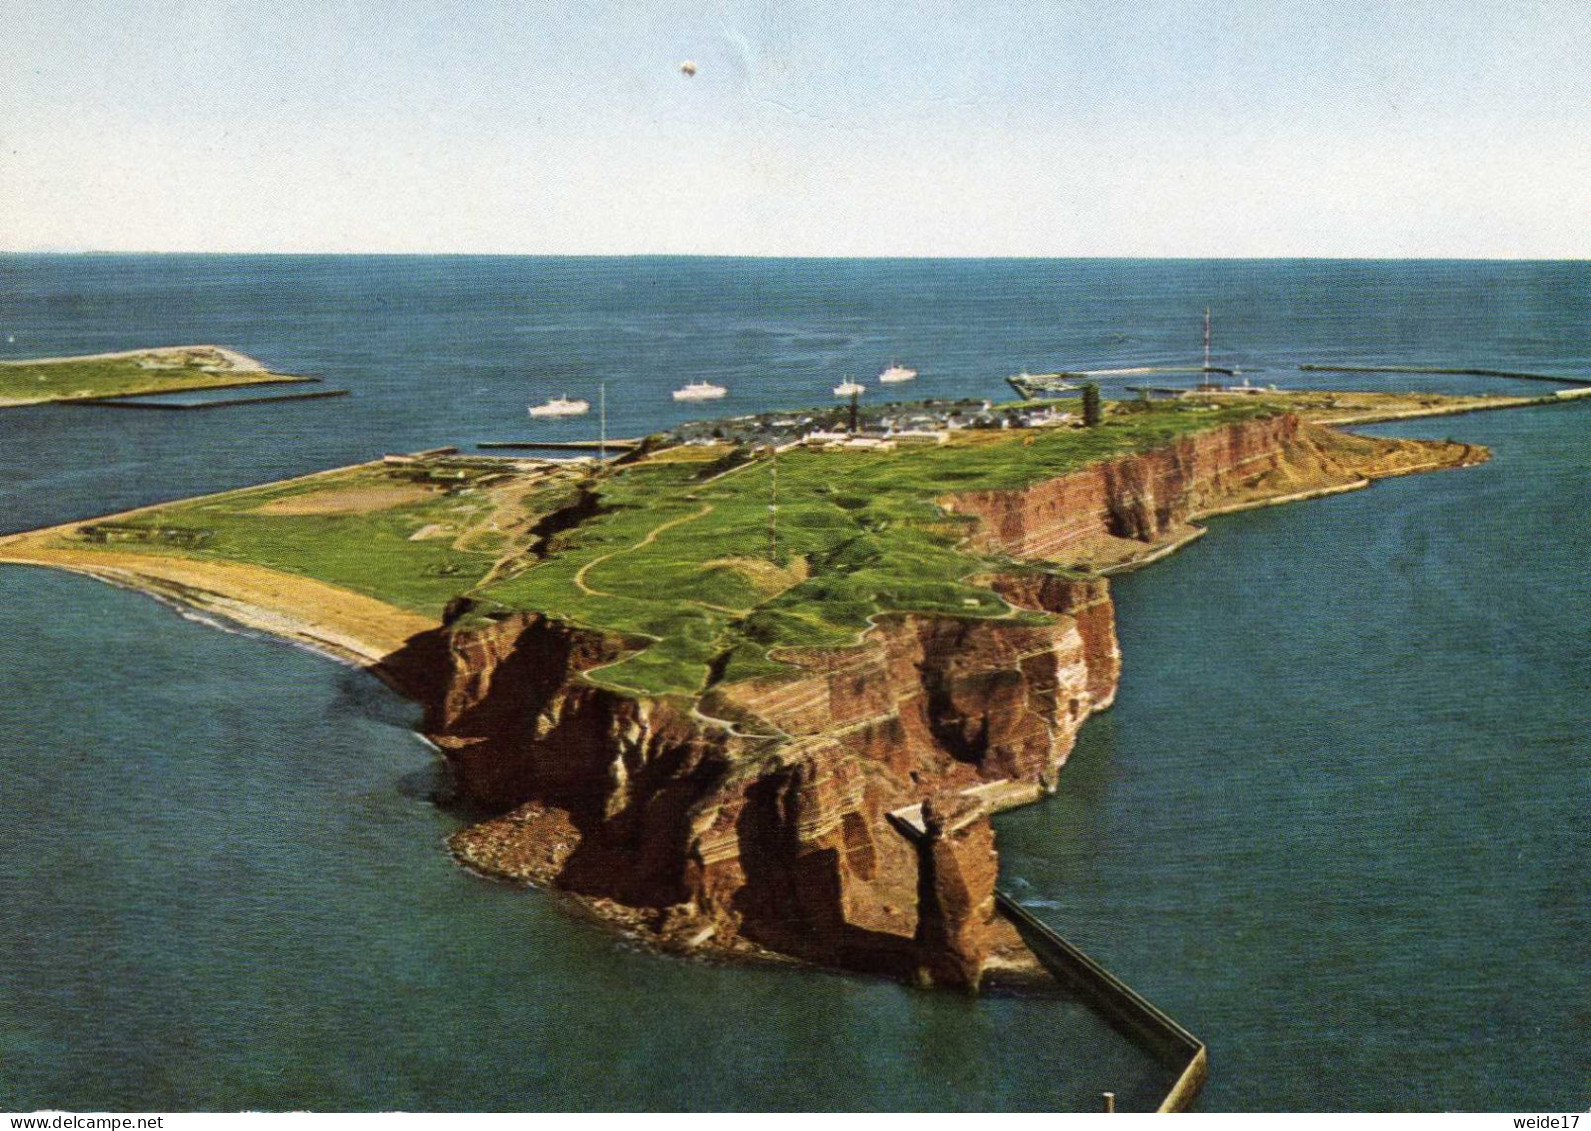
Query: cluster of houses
[882, 428]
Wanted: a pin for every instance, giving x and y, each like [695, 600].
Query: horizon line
[816, 256]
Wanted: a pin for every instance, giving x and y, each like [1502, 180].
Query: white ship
[849, 388]
[561, 406]
[895, 374]
[700, 391]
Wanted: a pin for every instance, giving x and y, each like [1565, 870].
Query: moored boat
[895, 374]
[849, 388]
[700, 391]
[561, 406]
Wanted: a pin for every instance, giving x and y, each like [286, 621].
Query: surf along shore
[696, 722]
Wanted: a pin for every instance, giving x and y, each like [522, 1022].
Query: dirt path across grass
[580, 575]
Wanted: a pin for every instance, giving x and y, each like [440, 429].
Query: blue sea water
[1336, 823]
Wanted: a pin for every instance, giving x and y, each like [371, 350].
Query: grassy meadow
[673, 552]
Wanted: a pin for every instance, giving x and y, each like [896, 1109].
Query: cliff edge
[759, 817]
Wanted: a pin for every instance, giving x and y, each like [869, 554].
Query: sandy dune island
[164, 369]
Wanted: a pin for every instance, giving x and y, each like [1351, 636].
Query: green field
[74, 379]
[371, 551]
[865, 525]
[672, 552]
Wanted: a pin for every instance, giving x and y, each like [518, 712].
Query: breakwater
[1435, 371]
[560, 445]
[1561, 396]
[151, 403]
[1148, 1026]
[1172, 1044]
[1030, 386]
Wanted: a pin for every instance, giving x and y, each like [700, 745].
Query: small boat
[561, 406]
[700, 391]
[849, 388]
[895, 374]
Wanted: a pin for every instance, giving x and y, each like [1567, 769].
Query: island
[749, 698]
[167, 369]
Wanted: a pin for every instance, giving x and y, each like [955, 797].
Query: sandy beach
[345, 624]
[229, 361]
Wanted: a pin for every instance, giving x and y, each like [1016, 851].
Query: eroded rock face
[801, 856]
[521, 728]
[1146, 498]
[957, 875]
[772, 832]
[713, 837]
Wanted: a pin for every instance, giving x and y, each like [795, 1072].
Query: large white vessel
[561, 406]
[895, 374]
[849, 388]
[700, 391]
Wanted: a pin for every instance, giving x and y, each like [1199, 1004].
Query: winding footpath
[580, 574]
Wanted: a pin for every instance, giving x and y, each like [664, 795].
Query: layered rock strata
[757, 819]
[1108, 512]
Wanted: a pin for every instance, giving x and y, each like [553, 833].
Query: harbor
[622, 445]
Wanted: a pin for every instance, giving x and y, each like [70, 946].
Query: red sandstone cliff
[1106, 513]
[773, 834]
[758, 818]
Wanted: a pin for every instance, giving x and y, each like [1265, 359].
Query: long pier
[1314, 367]
[562, 445]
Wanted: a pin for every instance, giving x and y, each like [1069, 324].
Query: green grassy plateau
[673, 551]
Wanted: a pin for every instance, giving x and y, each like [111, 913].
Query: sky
[1399, 128]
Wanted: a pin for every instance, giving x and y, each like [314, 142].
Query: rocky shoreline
[772, 836]
[757, 821]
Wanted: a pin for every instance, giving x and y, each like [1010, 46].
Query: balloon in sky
[687, 68]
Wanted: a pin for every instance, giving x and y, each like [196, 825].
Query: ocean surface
[1337, 823]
